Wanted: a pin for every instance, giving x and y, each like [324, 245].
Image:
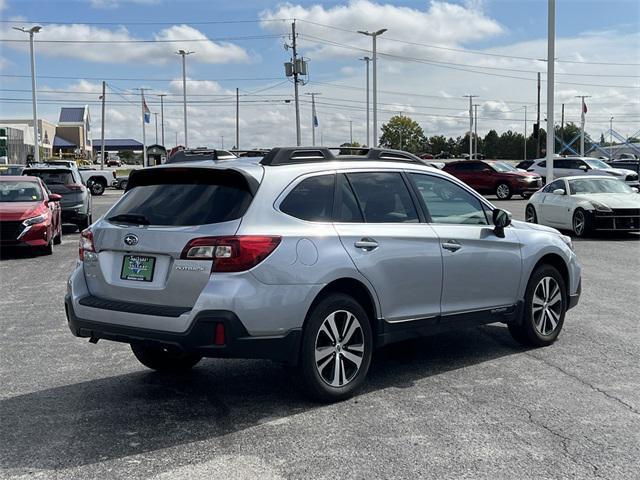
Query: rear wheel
[97, 187]
[122, 185]
[545, 305]
[530, 214]
[337, 346]
[581, 223]
[503, 191]
[162, 360]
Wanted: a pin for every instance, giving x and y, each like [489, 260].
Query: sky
[433, 53]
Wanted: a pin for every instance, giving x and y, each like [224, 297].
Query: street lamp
[367, 60]
[374, 36]
[611, 139]
[33, 30]
[183, 54]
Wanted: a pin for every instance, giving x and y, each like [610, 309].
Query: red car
[29, 214]
[499, 178]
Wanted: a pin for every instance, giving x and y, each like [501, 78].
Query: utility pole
[475, 122]
[314, 117]
[538, 121]
[583, 111]
[237, 118]
[611, 138]
[156, 119]
[222, 141]
[295, 81]
[104, 87]
[562, 131]
[374, 36]
[184, 54]
[162, 95]
[367, 60]
[351, 132]
[551, 63]
[470, 97]
[36, 140]
[525, 133]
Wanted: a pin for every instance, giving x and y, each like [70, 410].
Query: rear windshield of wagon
[183, 197]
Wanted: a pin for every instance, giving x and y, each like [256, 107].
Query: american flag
[145, 111]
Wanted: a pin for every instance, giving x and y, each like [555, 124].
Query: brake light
[76, 187]
[86, 243]
[231, 254]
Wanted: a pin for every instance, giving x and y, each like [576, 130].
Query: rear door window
[348, 210]
[183, 197]
[383, 197]
[311, 199]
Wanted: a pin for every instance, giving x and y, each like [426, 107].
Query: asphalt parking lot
[470, 404]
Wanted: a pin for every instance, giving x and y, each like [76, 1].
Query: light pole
[525, 133]
[475, 122]
[33, 30]
[470, 97]
[374, 36]
[611, 138]
[367, 60]
[184, 54]
[583, 111]
[314, 116]
[156, 119]
[351, 133]
[551, 63]
[162, 95]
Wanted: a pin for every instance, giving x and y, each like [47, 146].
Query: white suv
[573, 166]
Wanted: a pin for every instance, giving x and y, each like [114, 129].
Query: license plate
[138, 268]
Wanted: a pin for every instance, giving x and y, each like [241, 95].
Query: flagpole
[144, 135]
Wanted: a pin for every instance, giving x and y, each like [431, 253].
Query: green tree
[491, 141]
[438, 143]
[403, 133]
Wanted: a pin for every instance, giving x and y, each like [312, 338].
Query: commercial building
[73, 134]
[46, 131]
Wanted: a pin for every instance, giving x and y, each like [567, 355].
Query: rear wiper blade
[133, 218]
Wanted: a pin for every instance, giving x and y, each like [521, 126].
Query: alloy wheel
[530, 215]
[546, 306]
[578, 223]
[502, 191]
[339, 348]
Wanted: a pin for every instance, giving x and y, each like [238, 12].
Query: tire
[545, 305]
[97, 187]
[57, 240]
[544, 181]
[123, 184]
[530, 215]
[156, 358]
[354, 336]
[503, 191]
[48, 248]
[581, 223]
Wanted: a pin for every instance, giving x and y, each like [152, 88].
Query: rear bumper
[199, 338]
[74, 215]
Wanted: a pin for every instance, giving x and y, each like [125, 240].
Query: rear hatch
[140, 241]
[62, 182]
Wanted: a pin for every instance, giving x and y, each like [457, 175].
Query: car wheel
[57, 240]
[162, 360]
[503, 191]
[336, 349]
[545, 305]
[48, 248]
[581, 223]
[123, 185]
[530, 214]
[97, 188]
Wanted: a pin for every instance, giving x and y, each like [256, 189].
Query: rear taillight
[76, 187]
[86, 243]
[231, 254]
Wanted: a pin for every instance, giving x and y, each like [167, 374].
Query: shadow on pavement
[123, 415]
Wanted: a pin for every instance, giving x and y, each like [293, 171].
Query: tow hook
[94, 340]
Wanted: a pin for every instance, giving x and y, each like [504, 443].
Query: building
[12, 146]
[73, 134]
[46, 132]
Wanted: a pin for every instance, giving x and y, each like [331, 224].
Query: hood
[520, 225]
[618, 172]
[14, 211]
[612, 200]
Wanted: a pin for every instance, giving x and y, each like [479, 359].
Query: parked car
[200, 154]
[584, 204]
[426, 156]
[11, 169]
[97, 180]
[114, 162]
[498, 178]
[29, 214]
[627, 156]
[120, 182]
[573, 166]
[629, 164]
[313, 259]
[66, 181]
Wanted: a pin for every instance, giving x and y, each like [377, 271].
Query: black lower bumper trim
[199, 338]
[575, 298]
[131, 307]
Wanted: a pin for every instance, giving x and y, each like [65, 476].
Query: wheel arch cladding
[559, 264]
[354, 288]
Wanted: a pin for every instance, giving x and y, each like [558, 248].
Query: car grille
[9, 231]
[618, 219]
[632, 177]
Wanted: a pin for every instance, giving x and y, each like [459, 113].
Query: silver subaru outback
[312, 258]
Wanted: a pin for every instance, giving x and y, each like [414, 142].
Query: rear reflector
[231, 254]
[219, 337]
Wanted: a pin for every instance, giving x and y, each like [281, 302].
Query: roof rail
[296, 155]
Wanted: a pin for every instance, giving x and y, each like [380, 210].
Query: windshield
[598, 185]
[11, 170]
[20, 191]
[53, 177]
[595, 163]
[503, 167]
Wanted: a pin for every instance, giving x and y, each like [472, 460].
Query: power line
[130, 79]
[156, 40]
[211, 22]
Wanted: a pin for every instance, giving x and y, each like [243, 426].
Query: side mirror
[501, 220]
[558, 191]
[54, 197]
[583, 168]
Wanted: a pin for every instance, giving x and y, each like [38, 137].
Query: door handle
[451, 245]
[367, 244]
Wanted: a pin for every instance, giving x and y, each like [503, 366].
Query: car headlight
[34, 220]
[566, 239]
[600, 207]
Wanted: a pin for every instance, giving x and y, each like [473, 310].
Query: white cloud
[161, 51]
[111, 4]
